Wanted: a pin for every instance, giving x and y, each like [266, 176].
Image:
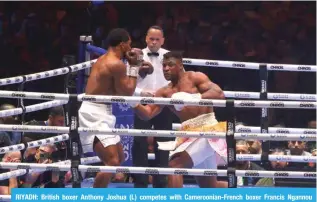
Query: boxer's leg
[180, 160]
[109, 156]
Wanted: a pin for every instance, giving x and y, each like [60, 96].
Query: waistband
[201, 120]
[99, 106]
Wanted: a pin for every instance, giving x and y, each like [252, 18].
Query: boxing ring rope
[159, 171]
[160, 101]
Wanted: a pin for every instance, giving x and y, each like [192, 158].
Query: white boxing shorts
[205, 153]
[95, 115]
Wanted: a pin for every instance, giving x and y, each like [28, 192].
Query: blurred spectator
[40, 179]
[15, 137]
[242, 148]
[8, 184]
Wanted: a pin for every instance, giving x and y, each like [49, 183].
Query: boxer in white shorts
[110, 76]
[190, 152]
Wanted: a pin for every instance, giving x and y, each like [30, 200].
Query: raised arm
[207, 89]
[149, 111]
[124, 84]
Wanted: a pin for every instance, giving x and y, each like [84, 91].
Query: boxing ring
[77, 164]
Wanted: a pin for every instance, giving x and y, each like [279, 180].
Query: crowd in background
[34, 37]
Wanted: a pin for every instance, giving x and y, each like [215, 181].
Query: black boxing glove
[145, 69]
[135, 59]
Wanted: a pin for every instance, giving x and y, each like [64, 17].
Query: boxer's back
[101, 81]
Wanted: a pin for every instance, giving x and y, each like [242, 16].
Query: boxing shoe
[184, 95]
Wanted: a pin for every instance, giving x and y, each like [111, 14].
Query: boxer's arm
[124, 84]
[207, 89]
[149, 111]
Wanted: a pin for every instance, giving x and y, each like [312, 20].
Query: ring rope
[33, 144]
[252, 129]
[159, 171]
[46, 74]
[158, 133]
[160, 101]
[271, 96]
[228, 64]
[32, 108]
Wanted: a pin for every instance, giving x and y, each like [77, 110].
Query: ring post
[83, 41]
[264, 113]
[231, 144]
[74, 140]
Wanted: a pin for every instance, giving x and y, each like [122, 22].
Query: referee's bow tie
[153, 54]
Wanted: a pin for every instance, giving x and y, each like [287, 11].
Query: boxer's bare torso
[189, 82]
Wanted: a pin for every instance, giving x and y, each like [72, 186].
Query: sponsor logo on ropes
[212, 63]
[309, 132]
[64, 137]
[39, 142]
[283, 158]
[11, 148]
[47, 141]
[281, 174]
[29, 78]
[118, 100]
[240, 65]
[241, 95]
[277, 104]
[280, 96]
[56, 139]
[187, 62]
[247, 104]
[181, 172]
[90, 130]
[152, 132]
[252, 174]
[245, 157]
[147, 101]
[308, 158]
[206, 103]
[19, 128]
[20, 147]
[55, 72]
[17, 80]
[281, 136]
[84, 65]
[76, 68]
[210, 173]
[48, 96]
[38, 76]
[310, 175]
[176, 101]
[47, 74]
[31, 144]
[306, 105]
[313, 137]
[64, 71]
[181, 133]
[89, 99]
[276, 67]
[26, 167]
[307, 97]
[305, 68]
[122, 170]
[18, 95]
[244, 130]
[53, 168]
[151, 171]
[93, 170]
[282, 131]
[8, 81]
[2, 150]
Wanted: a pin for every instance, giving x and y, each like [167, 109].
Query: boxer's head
[119, 39]
[154, 38]
[172, 65]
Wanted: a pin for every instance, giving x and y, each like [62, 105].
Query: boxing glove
[135, 60]
[184, 95]
[145, 69]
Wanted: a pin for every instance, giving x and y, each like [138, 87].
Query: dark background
[34, 37]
